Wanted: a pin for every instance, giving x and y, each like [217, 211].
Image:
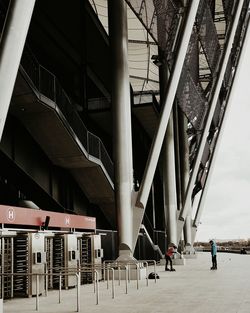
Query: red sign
[32, 217]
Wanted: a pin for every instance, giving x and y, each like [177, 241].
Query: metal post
[60, 287]
[11, 47]
[137, 276]
[46, 279]
[160, 133]
[107, 276]
[78, 293]
[37, 292]
[118, 33]
[97, 286]
[119, 275]
[113, 287]
[146, 273]
[155, 269]
[104, 273]
[126, 279]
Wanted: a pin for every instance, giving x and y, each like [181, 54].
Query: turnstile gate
[6, 267]
[45, 254]
[49, 260]
[58, 259]
[21, 265]
[29, 259]
[90, 257]
[65, 259]
[85, 259]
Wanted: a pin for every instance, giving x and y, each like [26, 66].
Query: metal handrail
[37, 275]
[47, 86]
[106, 267]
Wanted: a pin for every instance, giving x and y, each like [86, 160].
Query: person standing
[213, 253]
[168, 256]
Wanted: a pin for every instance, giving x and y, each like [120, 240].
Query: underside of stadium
[109, 130]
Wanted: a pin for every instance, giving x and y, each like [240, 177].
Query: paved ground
[193, 288]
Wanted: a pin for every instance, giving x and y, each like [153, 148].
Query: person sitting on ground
[169, 254]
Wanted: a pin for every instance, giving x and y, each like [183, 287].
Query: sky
[226, 213]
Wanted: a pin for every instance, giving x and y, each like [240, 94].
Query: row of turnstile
[54, 256]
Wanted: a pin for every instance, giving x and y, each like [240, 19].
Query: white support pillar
[11, 47]
[169, 184]
[187, 233]
[122, 123]
[161, 130]
[185, 178]
[192, 179]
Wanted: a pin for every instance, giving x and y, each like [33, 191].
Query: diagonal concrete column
[121, 124]
[246, 46]
[161, 130]
[185, 169]
[186, 207]
[11, 48]
[169, 184]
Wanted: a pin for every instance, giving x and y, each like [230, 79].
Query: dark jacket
[213, 248]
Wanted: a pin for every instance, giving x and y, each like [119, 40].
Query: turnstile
[29, 259]
[49, 260]
[37, 263]
[21, 265]
[46, 254]
[7, 259]
[65, 259]
[86, 258]
[91, 254]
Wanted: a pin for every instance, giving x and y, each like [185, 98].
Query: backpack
[153, 276]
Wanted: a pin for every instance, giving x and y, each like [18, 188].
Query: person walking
[213, 253]
[168, 256]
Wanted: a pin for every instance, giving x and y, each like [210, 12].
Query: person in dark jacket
[168, 256]
[213, 253]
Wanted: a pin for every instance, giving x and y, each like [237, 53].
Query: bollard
[137, 276]
[78, 293]
[60, 286]
[113, 289]
[97, 287]
[126, 279]
[107, 276]
[119, 275]
[46, 281]
[146, 273]
[37, 292]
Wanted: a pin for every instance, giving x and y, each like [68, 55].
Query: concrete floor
[193, 288]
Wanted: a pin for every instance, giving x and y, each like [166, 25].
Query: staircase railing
[46, 84]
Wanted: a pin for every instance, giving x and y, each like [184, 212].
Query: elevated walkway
[193, 288]
[42, 105]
